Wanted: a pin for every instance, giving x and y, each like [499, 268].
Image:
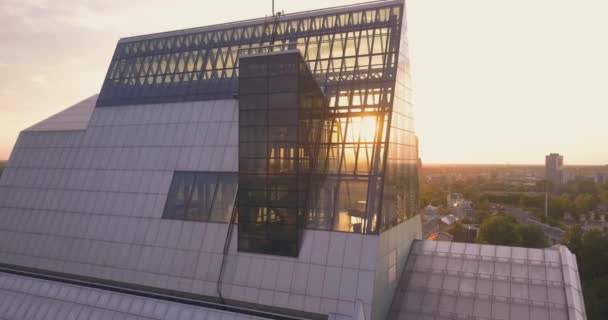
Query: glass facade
[401, 186]
[281, 115]
[357, 45]
[201, 196]
[358, 57]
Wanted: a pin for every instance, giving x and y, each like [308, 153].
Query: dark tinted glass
[201, 196]
[271, 175]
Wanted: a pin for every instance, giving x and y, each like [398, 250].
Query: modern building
[261, 169]
[452, 280]
[554, 168]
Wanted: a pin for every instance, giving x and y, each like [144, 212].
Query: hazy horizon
[511, 164]
[488, 164]
[493, 82]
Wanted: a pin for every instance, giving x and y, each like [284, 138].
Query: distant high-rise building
[554, 168]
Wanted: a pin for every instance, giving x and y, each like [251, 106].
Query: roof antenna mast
[273, 7]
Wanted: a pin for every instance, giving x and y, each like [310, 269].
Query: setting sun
[362, 129]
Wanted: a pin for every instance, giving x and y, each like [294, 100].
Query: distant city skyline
[493, 82]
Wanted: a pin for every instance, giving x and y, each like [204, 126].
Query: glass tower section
[401, 185]
[280, 117]
[357, 55]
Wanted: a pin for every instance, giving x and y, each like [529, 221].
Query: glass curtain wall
[348, 46]
[401, 186]
[280, 109]
[353, 53]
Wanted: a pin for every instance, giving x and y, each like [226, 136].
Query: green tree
[573, 238]
[558, 206]
[596, 298]
[532, 236]
[482, 205]
[432, 193]
[499, 230]
[472, 192]
[538, 213]
[594, 254]
[536, 201]
[443, 211]
[591, 249]
[480, 216]
[582, 185]
[583, 203]
[457, 231]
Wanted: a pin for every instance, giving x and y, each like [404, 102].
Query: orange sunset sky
[494, 81]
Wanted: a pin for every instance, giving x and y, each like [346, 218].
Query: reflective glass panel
[201, 196]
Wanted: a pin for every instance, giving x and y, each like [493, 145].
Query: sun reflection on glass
[362, 129]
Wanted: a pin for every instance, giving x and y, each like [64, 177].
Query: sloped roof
[75, 117]
[31, 298]
[451, 280]
[449, 219]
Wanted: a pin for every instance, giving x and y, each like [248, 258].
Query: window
[201, 196]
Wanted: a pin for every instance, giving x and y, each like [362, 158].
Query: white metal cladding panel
[186, 256]
[73, 118]
[123, 163]
[394, 246]
[29, 298]
[146, 259]
[458, 280]
[330, 276]
[90, 202]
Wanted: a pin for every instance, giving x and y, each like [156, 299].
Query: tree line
[502, 230]
[591, 250]
[577, 197]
